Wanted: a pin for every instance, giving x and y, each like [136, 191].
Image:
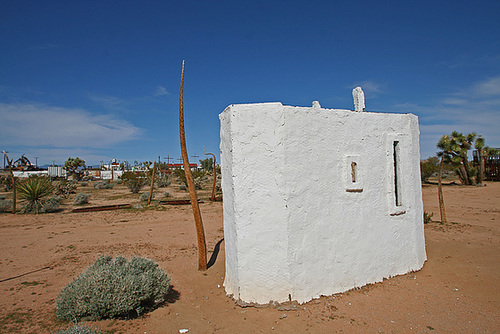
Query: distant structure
[318, 201]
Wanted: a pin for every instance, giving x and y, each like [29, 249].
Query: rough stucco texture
[318, 201]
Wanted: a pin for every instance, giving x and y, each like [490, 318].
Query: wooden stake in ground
[212, 198]
[152, 183]
[14, 191]
[440, 191]
[202, 246]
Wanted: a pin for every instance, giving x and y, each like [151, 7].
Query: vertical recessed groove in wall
[397, 178]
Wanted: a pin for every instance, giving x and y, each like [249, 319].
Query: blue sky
[100, 79]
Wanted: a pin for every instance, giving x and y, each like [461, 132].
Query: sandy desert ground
[457, 291]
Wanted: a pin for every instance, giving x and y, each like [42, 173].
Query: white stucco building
[318, 201]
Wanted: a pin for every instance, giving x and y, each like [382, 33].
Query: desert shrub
[104, 184]
[84, 183]
[64, 188]
[81, 198]
[51, 205]
[182, 175]
[144, 197]
[118, 181]
[6, 181]
[198, 183]
[134, 181]
[162, 180]
[32, 190]
[5, 205]
[80, 329]
[56, 199]
[42, 206]
[114, 287]
[167, 194]
[183, 187]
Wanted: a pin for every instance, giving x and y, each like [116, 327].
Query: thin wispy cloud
[41, 126]
[108, 101]
[160, 91]
[370, 87]
[490, 87]
[473, 109]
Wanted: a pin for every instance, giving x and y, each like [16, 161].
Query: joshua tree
[72, 165]
[202, 247]
[455, 148]
[483, 151]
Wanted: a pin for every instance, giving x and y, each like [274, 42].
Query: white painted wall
[295, 225]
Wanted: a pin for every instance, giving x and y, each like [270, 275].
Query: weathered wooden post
[14, 191]
[152, 183]
[212, 198]
[440, 191]
[202, 247]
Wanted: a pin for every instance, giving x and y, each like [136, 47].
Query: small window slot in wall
[353, 171]
[397, 176]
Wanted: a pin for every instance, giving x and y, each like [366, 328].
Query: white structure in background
[56, 171]
[111, 174]
[318, 201]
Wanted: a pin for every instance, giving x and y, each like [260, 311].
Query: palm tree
[33, 189]
[202, 246]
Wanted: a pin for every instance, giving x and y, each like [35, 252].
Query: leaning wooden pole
[152, 183]
[212, 198]
[202, 246]
[14, 191]
[440, 191]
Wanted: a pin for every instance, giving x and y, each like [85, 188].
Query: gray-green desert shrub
[81, 198]
[80, 329]
[51, 205]
[144, 196]
[167, 194]
[104, 184]
[84, 183]
[64, 188]
[5, 205]
[114, 287]
[134, 181]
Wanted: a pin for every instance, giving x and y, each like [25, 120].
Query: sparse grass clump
[80, 329]
[81, 198]
[428, 217]
[114, 287]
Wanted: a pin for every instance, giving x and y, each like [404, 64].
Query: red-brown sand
[457, 291]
